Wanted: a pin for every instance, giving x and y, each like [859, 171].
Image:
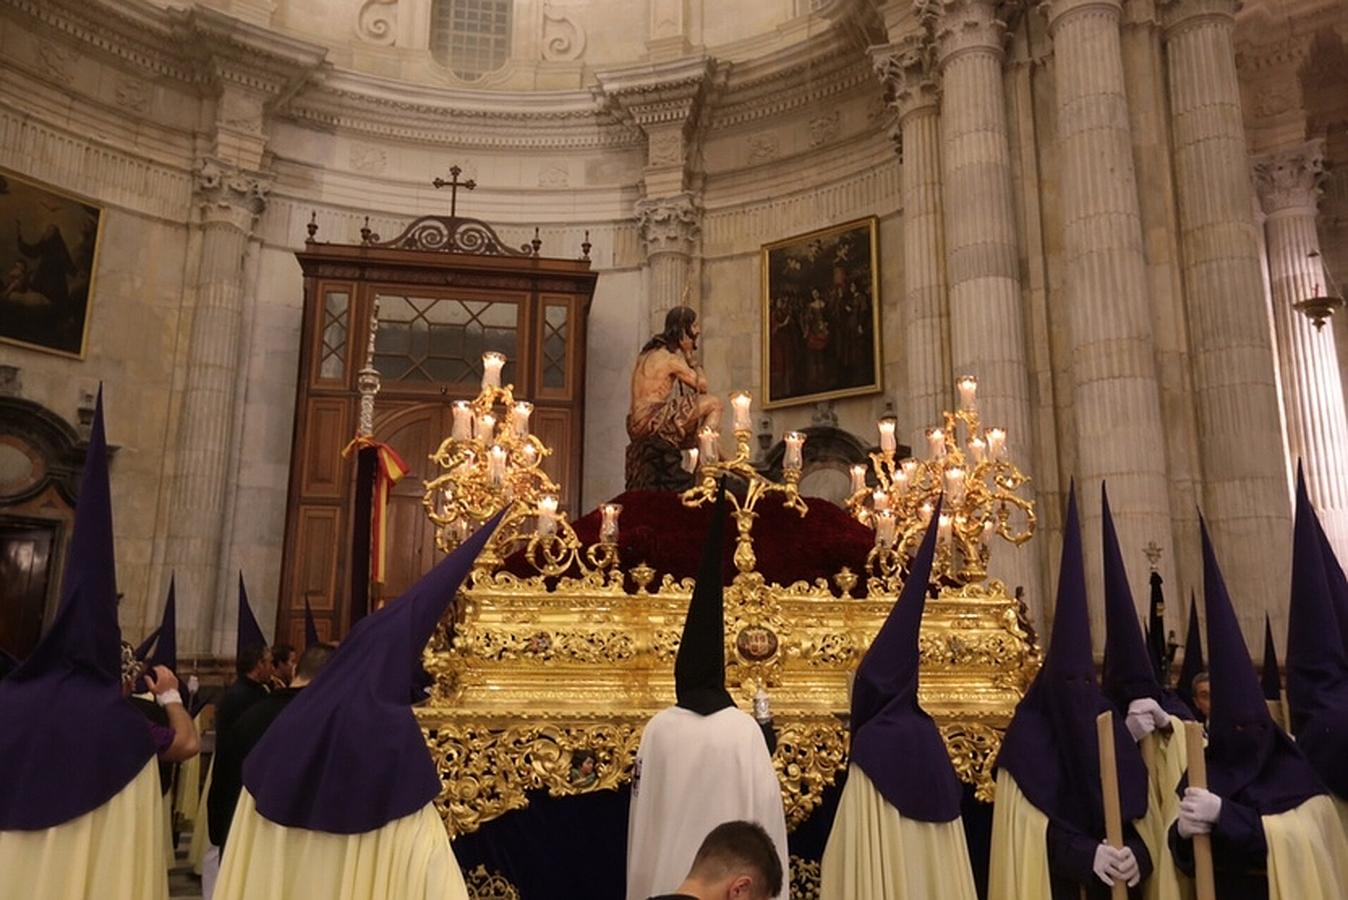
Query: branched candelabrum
[711, 469]
[492, 461]
[967, 464]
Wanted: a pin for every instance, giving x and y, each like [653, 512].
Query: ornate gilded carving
[805, 878]
[486, 885]
[973, 750]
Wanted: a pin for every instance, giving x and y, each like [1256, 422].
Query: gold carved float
[551, 677]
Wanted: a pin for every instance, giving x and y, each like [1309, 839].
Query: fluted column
[1312, 387]
[987, 329]
[670, 228]
[1245, 488]
[1116, 403]
[229, 199]
[1144, 77]
[907, 67]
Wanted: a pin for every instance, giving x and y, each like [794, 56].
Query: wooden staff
[1109, 789]
[1198, 777]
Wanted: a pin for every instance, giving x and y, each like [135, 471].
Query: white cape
[693, 773]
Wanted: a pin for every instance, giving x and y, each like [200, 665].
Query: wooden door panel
[318, 541]
[553, 427]
[25, 572]
[324, 470]
[415, 431]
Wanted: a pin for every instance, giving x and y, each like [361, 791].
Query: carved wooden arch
[51, 444]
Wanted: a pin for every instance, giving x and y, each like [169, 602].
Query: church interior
[348, 278]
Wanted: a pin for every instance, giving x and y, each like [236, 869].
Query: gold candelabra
[979, 483]
[492, 461]
[710, 469]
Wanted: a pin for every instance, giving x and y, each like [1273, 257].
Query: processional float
[560, 648]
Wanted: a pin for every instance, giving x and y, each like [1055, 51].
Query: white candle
[954, 485]
[496, 464]
[943, 529]
[793, 458]
[901, 481]
[977, 448]
[707, 443]
[528, 455]
[492, 364]
[996, 443]
[924, 513]
[608, 530]
[968, 388]
[887, 442]
[742, 403]
[858, 478]
[880, 499]
[690, 460]
[885, 528]
[462, 429]
[465, 468]
[547, 515]
[988, 527]
[486, 427]
[519, 418]
[936, 443]
[910, 467]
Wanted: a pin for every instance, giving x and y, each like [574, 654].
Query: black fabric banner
[367, 469]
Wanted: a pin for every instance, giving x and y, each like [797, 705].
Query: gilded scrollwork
[484, 884]
[808, 758]
[805, 878]
[973, 750]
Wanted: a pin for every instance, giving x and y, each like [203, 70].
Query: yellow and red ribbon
[389, 470]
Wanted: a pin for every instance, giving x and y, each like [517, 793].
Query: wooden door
[26, 558]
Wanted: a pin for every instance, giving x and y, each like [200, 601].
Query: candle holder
[740, 467]
[980, 486]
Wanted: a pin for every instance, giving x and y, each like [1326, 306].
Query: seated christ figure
[670, 404]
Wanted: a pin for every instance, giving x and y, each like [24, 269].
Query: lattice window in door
[332, 355]
[441, 340]
[556, 328]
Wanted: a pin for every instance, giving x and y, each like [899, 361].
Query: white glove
[1199, 810]
[1145, 716]
[1113, 865]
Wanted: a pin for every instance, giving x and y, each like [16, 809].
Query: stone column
[1144, 77]
[670, 229]
[907, 67]
[1312, 388]
[1116, 403]
[987, 330]
[230, 200]
[1245, 491]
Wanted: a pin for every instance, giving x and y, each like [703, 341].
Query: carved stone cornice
[134, 31]
[967, 26]
[1180, 15]
[1291, 180]
[907, 69]
[670, 224]
[227, 194]
[1055, 11]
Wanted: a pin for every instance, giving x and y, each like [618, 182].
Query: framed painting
[821, 315]
[48, 255]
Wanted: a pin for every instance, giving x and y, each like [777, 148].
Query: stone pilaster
[667, 102]
[987, 329]
[908, 69]
[1144, 77]
[1312, 388]
[1245, 488]
[1120, 438]
[229, 200]
[670, 231]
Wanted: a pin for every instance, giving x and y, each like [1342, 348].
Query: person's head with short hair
[255, 663]
[737, 861]
[311, 661]
[1201, 690]
[284, 657]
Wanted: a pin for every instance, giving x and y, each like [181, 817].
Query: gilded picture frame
[821, 315]
[49, 241]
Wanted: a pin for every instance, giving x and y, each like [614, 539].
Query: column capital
[670, 224]
[1054, 11]
[1178, 15]
[230, 195]
[1290, 180]
[907, 69]
[963, 26]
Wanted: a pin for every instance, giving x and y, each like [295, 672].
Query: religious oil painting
[48, 248]
[821, 315]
